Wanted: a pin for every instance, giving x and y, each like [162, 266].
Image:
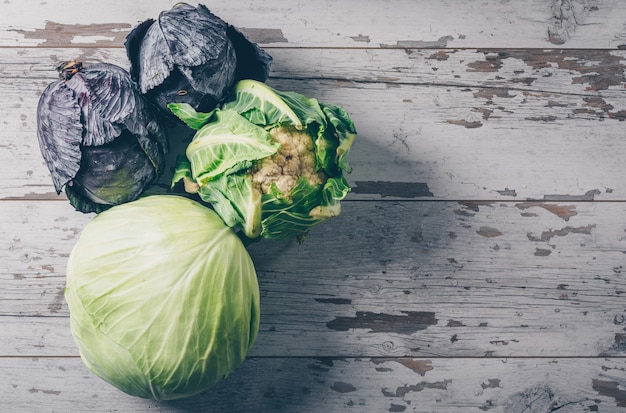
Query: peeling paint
[393, 189]
[361, 38]
[488, 232]
[441, 55]
[475, 205]
[58, 302]
[491, 384]
[599, 69]
[35, 390]
[565, 212]
[545, 118]
[440, 43]
[548, 235]
[114, 34]
[508, 192]
[525, 80]
[403, 390]
[610, 389]
[620, 115]
[341, 387]
[455, 323]
[409, 323]
[60, 35]
[490, 93]
[396, 408]
[265, 36]
[540, 252]
[338, 301]
[596, 106]
[486, 113]
[420, 367]
[587, 196]
[619, 341]
[465, 123]
[492, 63]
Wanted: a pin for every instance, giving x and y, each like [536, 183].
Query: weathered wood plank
[444, 135]
[334, 385]
[397, 279]
[402, 23]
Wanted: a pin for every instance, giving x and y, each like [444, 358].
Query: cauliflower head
[294, 159]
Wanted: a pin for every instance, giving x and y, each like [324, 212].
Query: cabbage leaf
[163, 297]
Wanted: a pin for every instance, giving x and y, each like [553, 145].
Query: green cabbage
[270, 163]
[163, 297]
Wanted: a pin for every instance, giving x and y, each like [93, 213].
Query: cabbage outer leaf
[163, 297]
[227, 145]
[236, 201]
[343, 133]
[186, 113]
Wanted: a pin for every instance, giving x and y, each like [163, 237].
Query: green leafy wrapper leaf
[186, 113]
[227, 145]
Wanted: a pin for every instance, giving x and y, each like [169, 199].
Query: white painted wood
[346, 23]
[449, 133]
[444, 279]
[465, 111]
[338, 385]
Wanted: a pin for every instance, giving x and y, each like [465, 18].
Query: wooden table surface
[479, 264]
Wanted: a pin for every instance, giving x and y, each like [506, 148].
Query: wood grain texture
[433, 133]
[346, 23]
[457, 279]
[478, 264]
[345, 384]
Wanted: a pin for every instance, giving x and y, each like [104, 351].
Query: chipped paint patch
[465, 123]
[440, 43]
[475, 205]
[258, 35]
[548, 235]
[492, 63]
[455, 323]
[541, 252]
[35, 390]
[508, 192]
[598, 107]
[610, 389]
[338, 301]
[58, 301]
[490, 93]
[565, 212]
[342, 387]
[587, 196]
[599, 69]
[491, 384]
[58, 34]
[402, 391]
[408, 323]
[420, 367]
[489, 232]
[441, 55]
[546, 118]
[361, 38]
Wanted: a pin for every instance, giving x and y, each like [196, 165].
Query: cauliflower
[294, 159]
[270, 163]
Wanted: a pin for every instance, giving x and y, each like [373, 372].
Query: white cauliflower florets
[296, 158]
